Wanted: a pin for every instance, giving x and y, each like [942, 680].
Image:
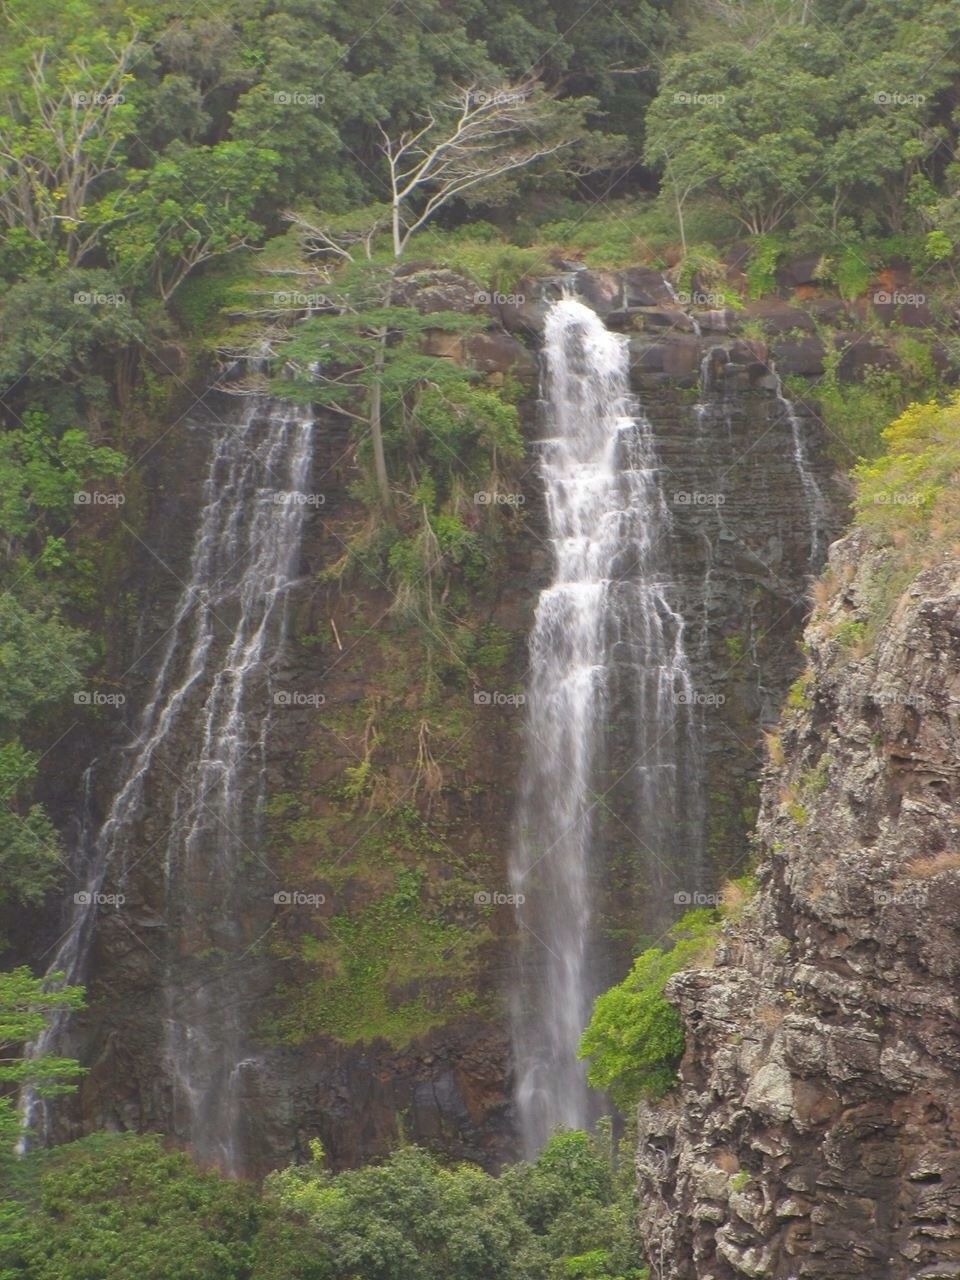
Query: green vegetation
[27, 1004]
[390, 970]
[855, 412]
[798, 695]
[907, 498]
[634, 1039]
[112, 1205]
[176, 186]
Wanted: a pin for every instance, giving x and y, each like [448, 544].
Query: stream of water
[199, 750]
[606, 642]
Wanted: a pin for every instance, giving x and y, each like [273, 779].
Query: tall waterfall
[612, 723]
[198, 755]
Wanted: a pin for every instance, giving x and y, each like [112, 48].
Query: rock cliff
[383, 1011]
[815, 1130]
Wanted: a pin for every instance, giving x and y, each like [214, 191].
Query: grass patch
[390, 971]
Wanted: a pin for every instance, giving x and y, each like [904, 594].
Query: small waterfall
[708, 371]
[814, 501]
[195, 753]
[607, 660]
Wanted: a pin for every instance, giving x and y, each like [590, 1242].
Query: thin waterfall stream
[198, 749]
[607, 645]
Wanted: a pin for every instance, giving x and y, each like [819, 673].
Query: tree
[26, 1005]
[193, 205]
[119, 1205]
[64, 126]
[363, 355]
[474, 138]
[407, 1219]
[718, 119]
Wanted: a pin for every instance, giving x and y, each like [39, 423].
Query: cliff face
[382, 1010]
[815, 1132]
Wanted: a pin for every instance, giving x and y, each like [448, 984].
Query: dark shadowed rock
[498, 352]
[799, 270]
[802, 356]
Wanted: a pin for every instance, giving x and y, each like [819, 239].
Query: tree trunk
[376, 422]
[683, 230]
[397, 238]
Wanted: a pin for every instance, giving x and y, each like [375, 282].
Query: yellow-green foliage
[910, 489]
[798, 695]
[909, 496]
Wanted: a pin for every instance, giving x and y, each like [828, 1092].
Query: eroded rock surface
[816, 1131]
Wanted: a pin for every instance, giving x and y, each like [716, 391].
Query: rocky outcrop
[815, 1129]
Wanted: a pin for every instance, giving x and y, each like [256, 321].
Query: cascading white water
[606, 644]
[814, 501]
[194, 744]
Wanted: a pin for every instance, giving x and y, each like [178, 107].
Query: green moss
[492, 649]
[736, 646]
[798, 812]
[391, 971]
[850, 633]
[814, 780]
[798, 695]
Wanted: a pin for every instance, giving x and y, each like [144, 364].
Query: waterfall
[194, 752]
[813, 499]
[608, 674]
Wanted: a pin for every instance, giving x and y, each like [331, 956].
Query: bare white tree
[476, 137]
[63, 137]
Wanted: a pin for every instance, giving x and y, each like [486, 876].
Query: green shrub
[762, 267]
[634, 1039]
[798, 695]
